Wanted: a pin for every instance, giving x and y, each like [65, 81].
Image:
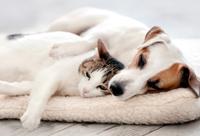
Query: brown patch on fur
[144, 52]
[167, 79]
[90, 65]
[154, 31]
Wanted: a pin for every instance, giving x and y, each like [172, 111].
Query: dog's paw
[60, 51]
[29, 121]
[56, 52]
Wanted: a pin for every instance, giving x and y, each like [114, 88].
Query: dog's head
[157, 65]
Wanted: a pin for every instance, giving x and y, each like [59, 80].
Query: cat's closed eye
[101, 87]
[88, 75]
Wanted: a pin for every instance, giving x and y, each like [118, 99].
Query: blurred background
[180, 18]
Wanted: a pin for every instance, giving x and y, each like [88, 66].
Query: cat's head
[97, 71]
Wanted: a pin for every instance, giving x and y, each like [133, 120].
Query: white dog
[154, 62]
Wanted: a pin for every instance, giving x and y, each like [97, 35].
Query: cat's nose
[116, 89]
[85, 91]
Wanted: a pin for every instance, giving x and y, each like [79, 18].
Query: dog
[153, 62]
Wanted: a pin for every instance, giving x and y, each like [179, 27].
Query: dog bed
[176, 106]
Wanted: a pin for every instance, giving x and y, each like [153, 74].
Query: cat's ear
[102, 51]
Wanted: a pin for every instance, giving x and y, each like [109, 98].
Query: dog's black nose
[116, 89]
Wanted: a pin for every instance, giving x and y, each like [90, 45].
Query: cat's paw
[30, 121]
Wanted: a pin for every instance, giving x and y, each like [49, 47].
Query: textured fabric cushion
[172, 107]
[175, 106]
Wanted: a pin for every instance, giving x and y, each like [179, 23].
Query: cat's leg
[15, 88]
[79, 20]
[39, 97]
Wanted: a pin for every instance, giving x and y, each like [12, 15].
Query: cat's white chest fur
[66, 72]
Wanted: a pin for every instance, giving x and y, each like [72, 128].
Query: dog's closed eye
[153, 84]
[141, 61]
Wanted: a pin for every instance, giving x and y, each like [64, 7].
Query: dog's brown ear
[102, 51]
[176, 76]
[154, 31]
[190, 79]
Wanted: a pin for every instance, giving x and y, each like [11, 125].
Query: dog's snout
[116, 89]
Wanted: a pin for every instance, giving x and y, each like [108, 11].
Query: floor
[180, 18]
[13, 128]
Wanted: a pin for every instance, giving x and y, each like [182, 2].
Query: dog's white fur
[121, 33]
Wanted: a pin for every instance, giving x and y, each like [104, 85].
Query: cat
[63, 78]
[85, 75]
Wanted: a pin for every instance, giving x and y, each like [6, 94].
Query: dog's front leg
[71, 49]
[37, 102]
